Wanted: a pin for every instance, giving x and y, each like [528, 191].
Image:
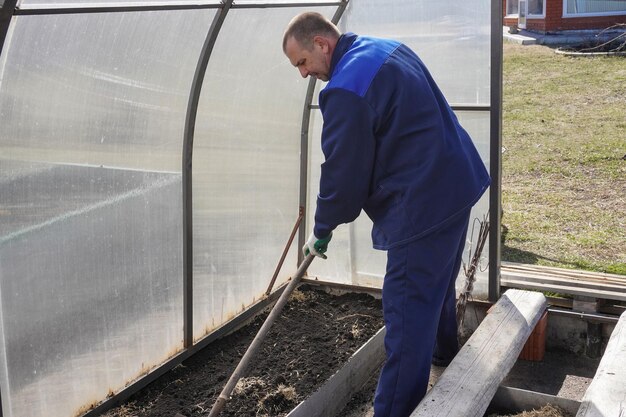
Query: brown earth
[315, 334]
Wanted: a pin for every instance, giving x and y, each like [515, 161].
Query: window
[512, 7]
[535, 7]
[601, 7]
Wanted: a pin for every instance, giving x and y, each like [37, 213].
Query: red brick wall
[554, 20]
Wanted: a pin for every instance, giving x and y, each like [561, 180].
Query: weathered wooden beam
[469, 383]
[584, 283]
[606, 395]
[614, 293]
[513, 267]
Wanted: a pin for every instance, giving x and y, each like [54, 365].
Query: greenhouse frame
[156, 157]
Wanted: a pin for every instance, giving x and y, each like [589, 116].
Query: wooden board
[606, 395]
[593, 284]
[471, 380]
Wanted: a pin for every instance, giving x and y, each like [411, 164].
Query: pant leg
[417, 282]
[447, 342]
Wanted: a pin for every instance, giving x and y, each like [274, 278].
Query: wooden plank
[609, 295]
[606, 395]
[563, 278]
[512, 266]
[567, 281]
[607, 279]
[333, 396]
[574, 282]
[468, 384]
[574, 278]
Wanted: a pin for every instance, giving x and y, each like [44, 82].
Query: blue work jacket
[392, 146]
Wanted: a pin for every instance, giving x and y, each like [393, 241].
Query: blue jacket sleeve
[349, 147]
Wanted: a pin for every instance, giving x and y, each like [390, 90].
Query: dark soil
[315, 334]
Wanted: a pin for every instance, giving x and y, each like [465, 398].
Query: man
[394, 148]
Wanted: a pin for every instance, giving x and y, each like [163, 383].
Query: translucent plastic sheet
[92, 112]
[99, 89]
[246, 165]
[451, 37]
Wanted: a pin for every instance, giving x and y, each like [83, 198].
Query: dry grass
[564, 167]
[276, 400]
[248, 386]
[299, 296]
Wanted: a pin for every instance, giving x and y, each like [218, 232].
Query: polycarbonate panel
[351, 258]
[340, 263]
[478, 125]
[245, 165]
[92, 111]
[99, 89]
[451, 37]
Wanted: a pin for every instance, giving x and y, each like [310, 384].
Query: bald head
[306, 26]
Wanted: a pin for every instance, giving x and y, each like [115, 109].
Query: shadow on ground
[510, 254]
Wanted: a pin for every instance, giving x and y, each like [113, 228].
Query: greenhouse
[159, 167]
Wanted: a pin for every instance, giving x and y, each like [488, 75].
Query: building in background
[559, 15]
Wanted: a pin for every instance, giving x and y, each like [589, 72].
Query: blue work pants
[419, 308]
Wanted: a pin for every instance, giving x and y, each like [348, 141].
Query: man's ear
[322, 42]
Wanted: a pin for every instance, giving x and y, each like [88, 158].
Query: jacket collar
[343, 44]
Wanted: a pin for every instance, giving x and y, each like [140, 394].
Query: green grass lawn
[564, 160]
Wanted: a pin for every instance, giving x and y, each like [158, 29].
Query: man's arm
[349, 147]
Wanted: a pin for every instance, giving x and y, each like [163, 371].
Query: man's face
[314, 62]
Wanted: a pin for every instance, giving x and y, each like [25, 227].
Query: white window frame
[593, 14]
[530, 15]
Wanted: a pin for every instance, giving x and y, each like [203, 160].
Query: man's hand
[316, 246]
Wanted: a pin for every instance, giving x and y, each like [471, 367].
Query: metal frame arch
[155, 5]
[6, 15]
[495, 153]
[190, 125]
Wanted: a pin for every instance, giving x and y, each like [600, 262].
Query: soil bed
[315, 334]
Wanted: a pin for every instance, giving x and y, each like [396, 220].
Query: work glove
[316, 246]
